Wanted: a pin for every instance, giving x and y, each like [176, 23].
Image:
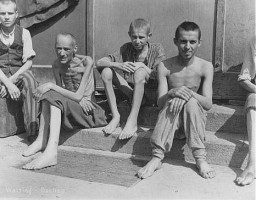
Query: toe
[212, 174]
[248, 179]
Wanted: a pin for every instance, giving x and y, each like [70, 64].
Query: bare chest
[189, 78]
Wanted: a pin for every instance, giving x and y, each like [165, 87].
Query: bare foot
[44, 160]
[205, 169]
[246, 177]
[35, 147]
[127, 132]
[149, 169]
[113, 124]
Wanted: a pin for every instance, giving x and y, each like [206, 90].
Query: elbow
[160, 104]
[99, 64]
[208, 106]
[90, 62]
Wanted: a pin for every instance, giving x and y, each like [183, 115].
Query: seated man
[247, 79]
[16, 53]
[70, 107]
[184, 94]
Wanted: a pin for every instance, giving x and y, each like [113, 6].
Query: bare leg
[108, 77]
[41, 140]
[149, 169]
[49, 156]
[131, 124]
[248, 175]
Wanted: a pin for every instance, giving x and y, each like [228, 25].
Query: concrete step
[227, 149]
[222, 118]
[225, 118]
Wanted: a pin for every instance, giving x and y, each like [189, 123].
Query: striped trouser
[30, 106]
[192, 119]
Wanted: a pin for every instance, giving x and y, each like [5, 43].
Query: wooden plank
[90, 51]
[220, 35]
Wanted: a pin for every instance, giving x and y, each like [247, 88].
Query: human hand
[13, 91]
[87, 106]
[138, 65]
[181, 92]
[128, 67]
[40, 90]
[3, 91]
[176, 104]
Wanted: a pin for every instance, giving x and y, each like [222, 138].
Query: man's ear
[129, 34]
[75, 48]
[149, 35]
[199, 42]
[175, 41]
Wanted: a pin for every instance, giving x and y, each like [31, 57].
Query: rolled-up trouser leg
[250, 102]
[30, 105]
[163, 134]
[194, 117]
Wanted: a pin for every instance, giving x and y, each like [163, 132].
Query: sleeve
[117, 56]
[248, 70]
[28, 51]
[159, 56]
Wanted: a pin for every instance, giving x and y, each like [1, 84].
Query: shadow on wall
[41, 27]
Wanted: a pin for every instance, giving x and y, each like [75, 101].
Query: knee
[251, 97]
[250, 102]
[191, 105]
[140, 76]
[107, 74]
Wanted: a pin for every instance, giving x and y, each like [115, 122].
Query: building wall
[113, 17]
[239, 26]
[72, 20]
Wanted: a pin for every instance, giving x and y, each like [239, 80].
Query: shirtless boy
[136, 63]
[184, 94]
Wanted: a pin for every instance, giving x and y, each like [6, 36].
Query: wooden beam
[90, 51]
[220, 36]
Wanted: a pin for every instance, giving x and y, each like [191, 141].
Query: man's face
[8, 14]
[139, 38]
[65, 49]
[187, 43]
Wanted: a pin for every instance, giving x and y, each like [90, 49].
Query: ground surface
[176, 180]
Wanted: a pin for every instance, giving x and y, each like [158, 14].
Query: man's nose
[187, 45]
[62, 52]
[137, 41]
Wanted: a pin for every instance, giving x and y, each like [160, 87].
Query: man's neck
[143, 52]
[8, 30]
[185, 62]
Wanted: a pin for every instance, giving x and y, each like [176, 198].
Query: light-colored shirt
[28, 51]
[248, 70]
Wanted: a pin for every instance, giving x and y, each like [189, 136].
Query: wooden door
[235, 23]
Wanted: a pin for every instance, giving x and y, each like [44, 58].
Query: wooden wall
[72, 20]
[113, 17]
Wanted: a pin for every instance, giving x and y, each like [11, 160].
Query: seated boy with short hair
[184, 94]
[130, 68]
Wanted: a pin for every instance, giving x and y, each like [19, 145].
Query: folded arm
[76, 96]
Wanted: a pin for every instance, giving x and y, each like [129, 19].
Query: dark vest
[11, 57]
